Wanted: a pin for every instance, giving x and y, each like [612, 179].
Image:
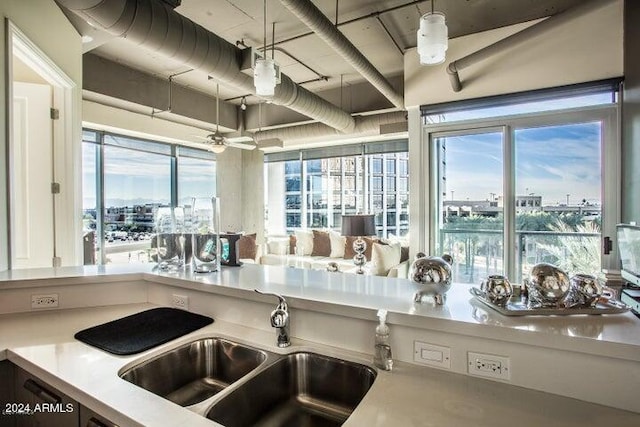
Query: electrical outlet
[489, 365]
[44, 301]
[180, 301]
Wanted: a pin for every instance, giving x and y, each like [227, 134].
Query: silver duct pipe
[365, 126]
[553, 21]
[313, 18]
[154, 25]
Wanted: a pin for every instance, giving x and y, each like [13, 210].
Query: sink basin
[196, 371]
[301, 389]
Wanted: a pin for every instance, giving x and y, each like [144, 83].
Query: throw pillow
[349, 253]
[337, 244]
[304, 239]
[384, 258]
[247, 247]
[404, 253]
[292, 244]
[321, 243]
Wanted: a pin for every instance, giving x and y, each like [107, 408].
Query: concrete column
[631, 114]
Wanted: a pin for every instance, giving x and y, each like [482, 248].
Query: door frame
[64, 136]
[607, 114]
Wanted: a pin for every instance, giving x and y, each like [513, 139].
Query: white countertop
[43, 344]
[358, 296]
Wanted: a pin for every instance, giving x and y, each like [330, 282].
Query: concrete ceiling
[382, 30]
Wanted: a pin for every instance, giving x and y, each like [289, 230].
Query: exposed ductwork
[456, 66]
[156, 26]
[365, 126]
[313, 18]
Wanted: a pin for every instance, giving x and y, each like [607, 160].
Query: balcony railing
[478, 253]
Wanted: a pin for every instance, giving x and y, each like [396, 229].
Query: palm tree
[579, 253]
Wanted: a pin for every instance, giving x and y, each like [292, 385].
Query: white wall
[585, 49]
[46, 26]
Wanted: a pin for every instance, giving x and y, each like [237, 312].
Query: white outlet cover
[180, 301]
[431, 355]
[40, 301]
[489, 366]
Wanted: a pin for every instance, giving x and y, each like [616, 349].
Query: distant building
[530, 203]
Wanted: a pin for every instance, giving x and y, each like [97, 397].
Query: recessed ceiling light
[87, 39]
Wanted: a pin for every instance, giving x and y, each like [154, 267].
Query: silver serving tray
[517, 307]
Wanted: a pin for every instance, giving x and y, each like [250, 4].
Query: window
[528, 188]
[126, 179]
[337, 185]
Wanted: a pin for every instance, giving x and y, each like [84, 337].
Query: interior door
[32, 215]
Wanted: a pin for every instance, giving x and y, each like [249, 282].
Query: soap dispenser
[382, 352]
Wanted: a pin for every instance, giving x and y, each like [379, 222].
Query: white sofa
[276, 252]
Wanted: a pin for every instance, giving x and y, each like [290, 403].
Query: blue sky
[136, 177]
[550, 161]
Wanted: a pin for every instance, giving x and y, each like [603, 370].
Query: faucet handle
[279, 318]
[282, 305]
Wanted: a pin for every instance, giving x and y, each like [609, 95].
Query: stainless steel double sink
[237, 385]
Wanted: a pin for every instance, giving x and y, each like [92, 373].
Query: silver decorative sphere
[497, 289]
[585, 290]
[333, 267]
[547, 286]
[432, 277]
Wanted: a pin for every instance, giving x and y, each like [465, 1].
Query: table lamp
[358, 226]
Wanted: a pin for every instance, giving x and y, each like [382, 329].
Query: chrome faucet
[280, 320]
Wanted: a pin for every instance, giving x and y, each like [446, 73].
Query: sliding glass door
[511, 192]
[470, 221]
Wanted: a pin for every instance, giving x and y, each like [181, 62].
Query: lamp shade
[264, 77]
[358, 225]
[432, 38]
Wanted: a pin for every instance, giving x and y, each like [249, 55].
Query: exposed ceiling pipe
[553, 21]
[313, 18]
[154, 25]
[365, 126]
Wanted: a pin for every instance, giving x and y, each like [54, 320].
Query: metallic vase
[497, 289]
[547, 286]
[585, 290]
[432, 277]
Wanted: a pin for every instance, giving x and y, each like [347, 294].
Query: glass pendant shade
[432, 38]
[264, 77]
[217, 148]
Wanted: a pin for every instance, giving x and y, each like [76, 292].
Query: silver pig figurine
[432, 276]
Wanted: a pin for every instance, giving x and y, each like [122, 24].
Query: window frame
[174, 152]
[607, 114]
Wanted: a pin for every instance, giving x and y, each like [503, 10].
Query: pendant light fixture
[432, 38]
[264, 72]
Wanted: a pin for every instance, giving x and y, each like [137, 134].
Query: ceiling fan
[216, 141]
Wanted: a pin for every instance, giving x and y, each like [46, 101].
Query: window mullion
[509, 201]
[174, 176]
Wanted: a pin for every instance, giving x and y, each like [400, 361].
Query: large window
[338, 185]
[514, 190]
[124, 180]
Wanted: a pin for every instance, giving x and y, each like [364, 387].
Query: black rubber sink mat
[142, 331]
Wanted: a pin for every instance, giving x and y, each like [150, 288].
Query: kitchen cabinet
[48, 407]
[7, 395]
[89, 418]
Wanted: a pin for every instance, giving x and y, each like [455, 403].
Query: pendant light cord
[264, 27]
[217, 107]
[432, 2]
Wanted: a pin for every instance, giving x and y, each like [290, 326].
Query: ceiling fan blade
[203, 138]
[240, 145]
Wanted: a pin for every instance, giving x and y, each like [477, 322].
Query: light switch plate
[431, 355]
